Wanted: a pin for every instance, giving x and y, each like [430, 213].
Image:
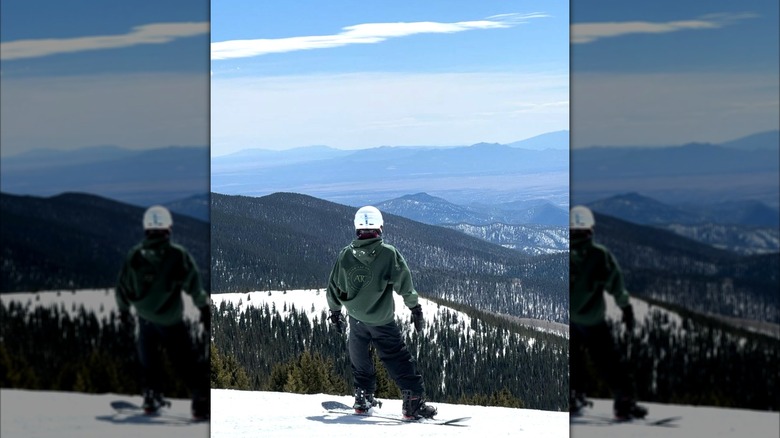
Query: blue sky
[359, 74]
[673, 72]
[85, 73]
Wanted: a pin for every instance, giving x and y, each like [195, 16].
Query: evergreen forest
[490, 361]
[60, 349]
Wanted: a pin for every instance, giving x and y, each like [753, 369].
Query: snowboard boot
[577, 402]
[364, 401]
[153, 401]
[201, 408]
[626, 409]
[414, 406]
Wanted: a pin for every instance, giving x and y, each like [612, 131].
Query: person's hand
[417, 318]
[628, 316]
[337, 320]
[205, 317]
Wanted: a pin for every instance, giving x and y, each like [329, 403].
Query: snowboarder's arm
[123, 284]
[332, 294]
[614, 284]
[192, 284]
[402, 281]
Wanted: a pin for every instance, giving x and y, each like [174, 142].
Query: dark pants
[392, 351]
[596, 341]
[177, 343]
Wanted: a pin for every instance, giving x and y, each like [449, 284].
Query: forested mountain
[530, 239]
[286, 240]
[77, 240]
[434, 210]
[282, 341]
[667, 267]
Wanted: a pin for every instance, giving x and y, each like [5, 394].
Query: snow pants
[597, 343]
[177, 343]
[392, 351]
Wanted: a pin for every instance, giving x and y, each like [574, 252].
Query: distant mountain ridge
[462, 174]
[746, 227]
[140, 177]
[434, 210]
[77, 241]
[739, 170]
[288, 240]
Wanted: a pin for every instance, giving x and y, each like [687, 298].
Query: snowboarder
[154, 274]
[362, 280]
[593, 271]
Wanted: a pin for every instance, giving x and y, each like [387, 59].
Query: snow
[695, 421]
[101, 301]
[50, 414]
[273, 414]
[306, 299]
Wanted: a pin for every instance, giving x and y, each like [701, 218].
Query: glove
[628, 316]
[205, 317]
[417, 318]
[337, 320]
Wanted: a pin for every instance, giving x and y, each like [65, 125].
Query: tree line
[53, 348]
[477, 362]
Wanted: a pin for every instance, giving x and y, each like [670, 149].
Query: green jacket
[593, 270]
[363, 279]
[152, 278]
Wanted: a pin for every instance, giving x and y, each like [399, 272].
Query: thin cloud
[369, 33]
[155, 33]
[589, 32]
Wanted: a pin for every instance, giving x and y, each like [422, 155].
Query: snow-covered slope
[101, 301]
[694, 421]
[49, 414]
[272, 414]
[46, 414]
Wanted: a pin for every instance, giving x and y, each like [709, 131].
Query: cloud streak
[154, 33]
[368, 33]
[582, 33]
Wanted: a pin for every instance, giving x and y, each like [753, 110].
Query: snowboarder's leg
[363, 371]
[393, 353]
[185, 361]
[577, 371]
[607, 360]
[149, 355]
[402, 368]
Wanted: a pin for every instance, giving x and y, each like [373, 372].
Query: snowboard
[603, 419]
[126, 407]
[340, 408]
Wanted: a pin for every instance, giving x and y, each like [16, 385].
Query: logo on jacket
[359, 276]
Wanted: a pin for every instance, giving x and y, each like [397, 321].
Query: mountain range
[745, 227]
[140, 177]
[76, 240]
[742, 169]
[664, 266]
[486, 172]
[288, 240]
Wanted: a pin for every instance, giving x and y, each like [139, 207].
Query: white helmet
[157, 217]
[368, 218]
[581, 218]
